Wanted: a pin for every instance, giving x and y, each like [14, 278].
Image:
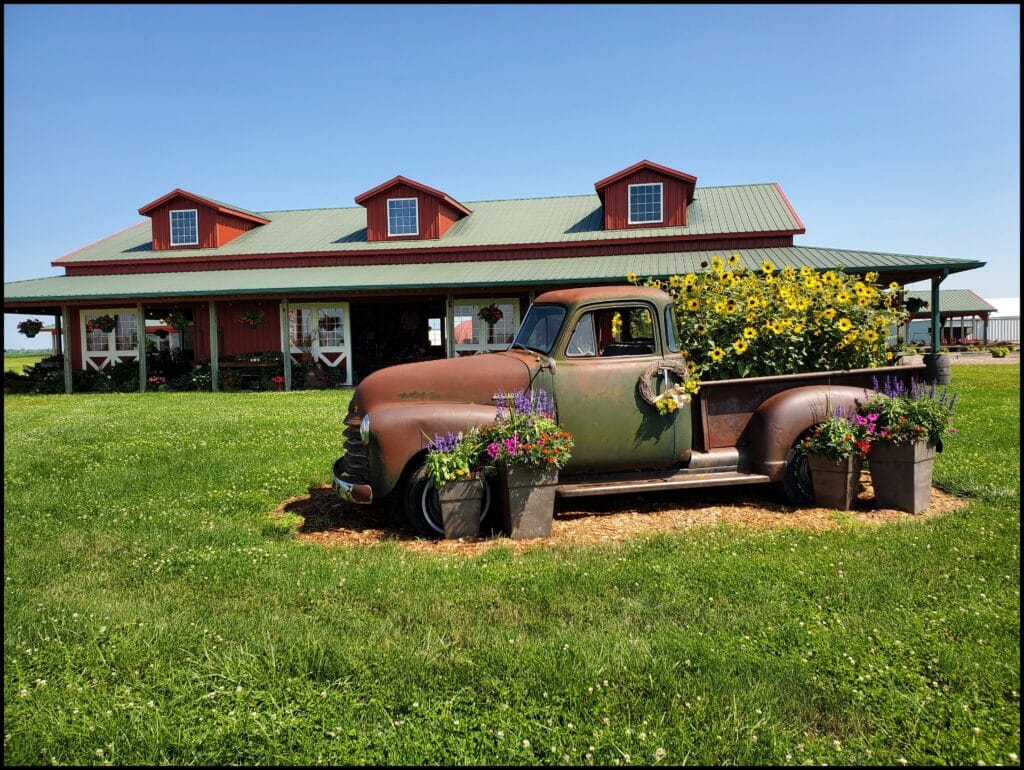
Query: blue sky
[890, 128]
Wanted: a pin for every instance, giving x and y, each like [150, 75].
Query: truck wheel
[796, 483]
[422, 510]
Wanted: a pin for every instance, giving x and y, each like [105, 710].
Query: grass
[18, 362]
[156, 614]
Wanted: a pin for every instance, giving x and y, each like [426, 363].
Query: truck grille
[355, 463]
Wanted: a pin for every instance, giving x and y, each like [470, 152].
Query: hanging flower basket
[30, 327]
[251, 319]
[104, 323]
[491, 314]
[176, 319]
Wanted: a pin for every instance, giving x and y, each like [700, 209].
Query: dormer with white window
[401, 209]
[645, 195]
[183, 220]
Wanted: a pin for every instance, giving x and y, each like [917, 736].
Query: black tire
[422, 510]
[796, 483]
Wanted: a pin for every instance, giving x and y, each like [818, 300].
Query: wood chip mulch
[327, 521]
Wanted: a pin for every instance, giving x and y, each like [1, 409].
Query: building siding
[419, 257]
[616, 201]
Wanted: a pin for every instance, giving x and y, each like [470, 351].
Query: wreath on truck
[675, 396]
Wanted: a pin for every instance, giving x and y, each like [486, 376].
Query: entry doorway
[396, 332]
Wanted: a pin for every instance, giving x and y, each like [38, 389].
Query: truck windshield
[539, 329]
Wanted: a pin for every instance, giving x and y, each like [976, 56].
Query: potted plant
[104, 323]
[490, 314]
[835, 450]
[910, 423]
[454, 466]
[30, 327]
[176, 320]
[251, 319]
[528, 449]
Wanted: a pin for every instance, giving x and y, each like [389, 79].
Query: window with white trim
[320, 332]
[403, 216]
[184, 227]
[472, 334]
[101, 348]
[645, 203]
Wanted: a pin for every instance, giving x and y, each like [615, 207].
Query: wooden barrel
[936, 368]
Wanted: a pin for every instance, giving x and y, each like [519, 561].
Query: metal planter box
[527, 501]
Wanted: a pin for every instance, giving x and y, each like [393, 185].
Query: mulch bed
[329, 522]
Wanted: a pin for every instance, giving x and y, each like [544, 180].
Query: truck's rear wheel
[796, 483]
[422, 510]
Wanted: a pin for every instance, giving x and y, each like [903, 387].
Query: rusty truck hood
[467, 380]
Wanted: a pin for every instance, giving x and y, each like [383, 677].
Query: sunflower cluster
[735, 322]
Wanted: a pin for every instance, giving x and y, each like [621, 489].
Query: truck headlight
[364, 429]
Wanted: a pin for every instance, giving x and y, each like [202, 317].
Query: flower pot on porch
[902, 475]
[460, 507]
[526, 498]
[836, 482]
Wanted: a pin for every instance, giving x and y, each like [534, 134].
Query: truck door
[595, 390]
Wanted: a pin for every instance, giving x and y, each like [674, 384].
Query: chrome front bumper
[351, 492]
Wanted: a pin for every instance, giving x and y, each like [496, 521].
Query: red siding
[616, 201]
[423, 256]
[229, 228]
[429, 214]
[215, 228]
[232, 337]
[447, 216]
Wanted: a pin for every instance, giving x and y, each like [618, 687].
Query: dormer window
[403, 216]
[184, 227]
[645, 203]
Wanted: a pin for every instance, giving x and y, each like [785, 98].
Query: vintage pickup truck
[581, 346]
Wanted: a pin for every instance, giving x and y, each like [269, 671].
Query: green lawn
[18, 362]
[154, 613]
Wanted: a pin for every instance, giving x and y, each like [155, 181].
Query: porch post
[141, 316]
[286, 348]
[65, 314]
[57, 333]
[449, 326]
[214, 351]
[936, 331]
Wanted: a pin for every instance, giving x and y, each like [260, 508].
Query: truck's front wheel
[796, 484]
[422, 509]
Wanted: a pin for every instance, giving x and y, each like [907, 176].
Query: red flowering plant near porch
[491, 314]
[251, 319]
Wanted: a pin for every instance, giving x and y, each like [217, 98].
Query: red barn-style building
[404, 274]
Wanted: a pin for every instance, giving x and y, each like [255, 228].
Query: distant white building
[965, 318]
[1004, 323]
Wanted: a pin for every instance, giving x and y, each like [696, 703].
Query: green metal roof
[725, 210]
[456, 276]
[954, 301]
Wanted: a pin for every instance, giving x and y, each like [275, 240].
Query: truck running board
[682, 480]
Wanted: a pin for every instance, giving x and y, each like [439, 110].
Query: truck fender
[400, 433]
[780, 419]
